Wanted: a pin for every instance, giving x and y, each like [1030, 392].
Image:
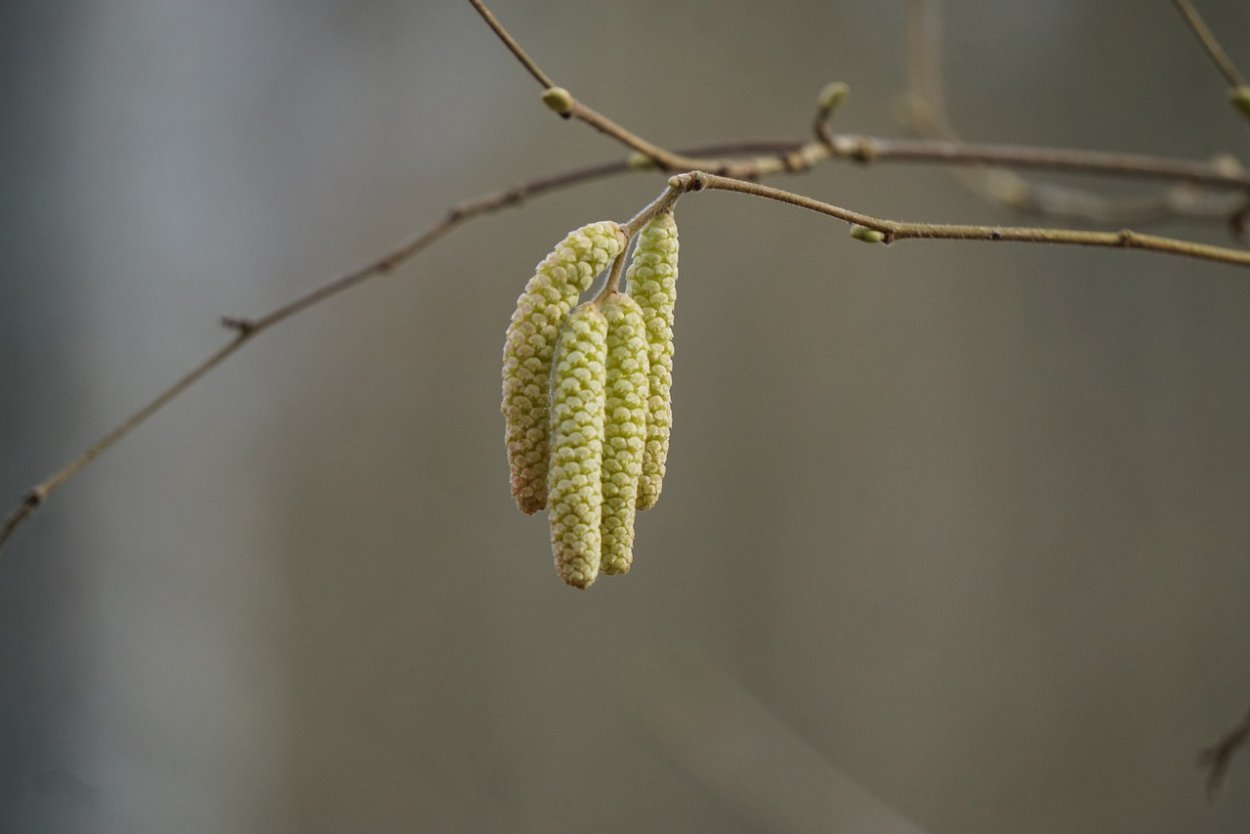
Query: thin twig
[894, 230]
[1209, 43]
[1219, 756]
[509, 41]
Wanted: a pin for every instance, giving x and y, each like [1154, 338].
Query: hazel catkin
[625, 427]
[652, 282]
[558, 281]
[574, 488]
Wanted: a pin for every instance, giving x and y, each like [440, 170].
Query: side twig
[1219, 756]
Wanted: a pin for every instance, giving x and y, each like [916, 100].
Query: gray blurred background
[954, 537]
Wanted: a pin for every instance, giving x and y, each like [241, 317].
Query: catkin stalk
[574, 491]
[558, 281]
[652, 282]
[625, 427]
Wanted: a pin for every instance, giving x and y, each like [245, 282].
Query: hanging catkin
[558, 281]
[575, 492]
[625, 427]
[652, 282]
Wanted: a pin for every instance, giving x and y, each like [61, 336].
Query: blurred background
[954, 536]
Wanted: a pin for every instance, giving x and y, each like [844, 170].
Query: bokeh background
[954, 537]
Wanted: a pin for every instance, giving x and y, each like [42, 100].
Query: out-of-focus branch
[1224, 174]
[927, 114]
[1219, 756]
[712, 726]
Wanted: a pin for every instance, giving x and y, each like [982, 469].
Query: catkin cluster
[586, 394]
[558, 281]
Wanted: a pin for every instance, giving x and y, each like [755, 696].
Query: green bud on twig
[866, 234]
[639, 161]
[558, 99]
[832, 96]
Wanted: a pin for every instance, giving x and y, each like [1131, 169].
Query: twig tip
[832, 95]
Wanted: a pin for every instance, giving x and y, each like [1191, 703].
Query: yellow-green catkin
[575, 491]
[652, 282]
[558, 281]
[625, 427]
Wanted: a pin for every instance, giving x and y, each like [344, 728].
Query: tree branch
[894, 230]
[1128, 165]
[928, 116]
[733, 162]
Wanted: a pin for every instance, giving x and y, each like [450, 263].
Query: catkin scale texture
[625, 427]
[528, 349]
[574, 490]
[652, 282]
